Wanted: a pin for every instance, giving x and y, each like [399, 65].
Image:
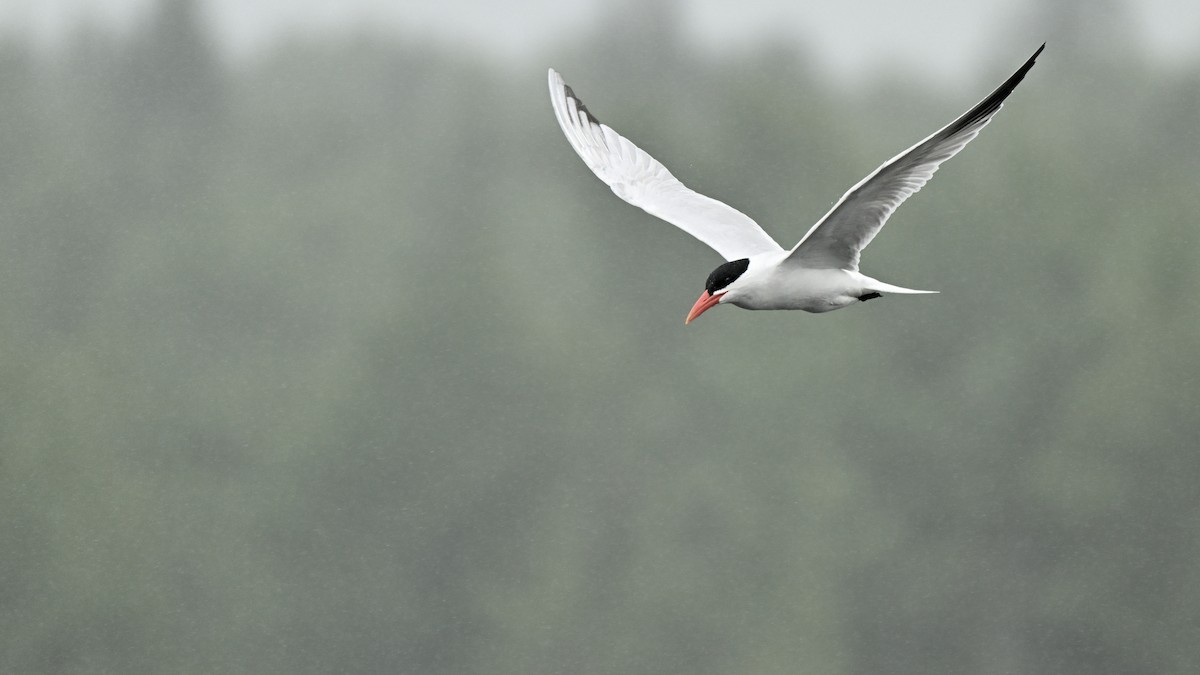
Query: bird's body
[771, 283]
[818, 274]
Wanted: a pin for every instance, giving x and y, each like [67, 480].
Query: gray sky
[850, 37]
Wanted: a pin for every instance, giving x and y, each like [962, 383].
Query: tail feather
[888, 288]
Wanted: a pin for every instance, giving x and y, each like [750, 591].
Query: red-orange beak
[702, 305]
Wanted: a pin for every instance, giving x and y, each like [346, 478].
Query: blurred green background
[339, 360]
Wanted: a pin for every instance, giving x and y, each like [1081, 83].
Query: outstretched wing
[642, 181]
[838, 238]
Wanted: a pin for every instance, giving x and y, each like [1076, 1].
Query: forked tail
[881, 287]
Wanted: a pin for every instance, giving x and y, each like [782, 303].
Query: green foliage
[343, 362]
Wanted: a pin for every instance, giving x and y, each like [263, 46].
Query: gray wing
[641, 180]
[837, 239]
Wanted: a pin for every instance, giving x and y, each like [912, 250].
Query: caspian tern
[820, 273]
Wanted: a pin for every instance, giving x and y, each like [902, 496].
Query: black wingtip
[579, 104]
[1020, 74]
[988, 106]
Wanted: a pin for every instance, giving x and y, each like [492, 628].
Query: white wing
[642, 181]
[838, 238]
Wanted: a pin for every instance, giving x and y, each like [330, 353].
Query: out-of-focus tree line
[340, 360]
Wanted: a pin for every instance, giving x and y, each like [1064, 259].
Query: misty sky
[851, 37]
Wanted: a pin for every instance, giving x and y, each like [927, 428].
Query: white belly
[799, 288]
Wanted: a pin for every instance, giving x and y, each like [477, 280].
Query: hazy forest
[340, 360]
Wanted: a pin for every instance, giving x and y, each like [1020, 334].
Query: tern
[818, 274]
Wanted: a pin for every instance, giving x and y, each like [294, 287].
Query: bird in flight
[820, 273]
